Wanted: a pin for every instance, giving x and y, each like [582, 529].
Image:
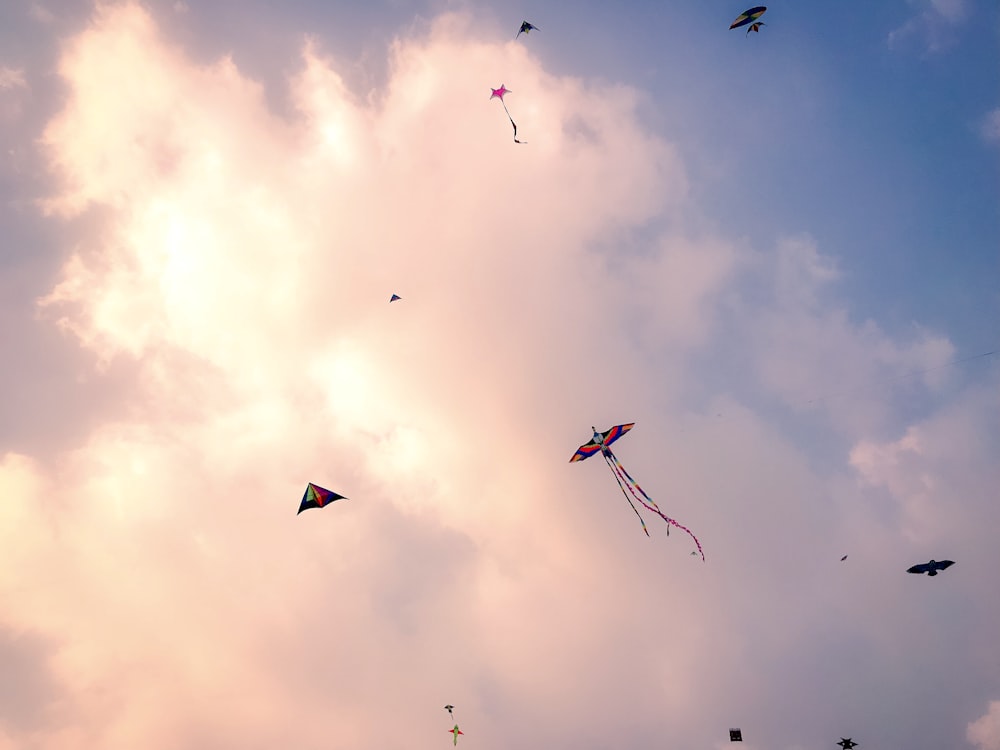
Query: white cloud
[933, 22]
[40, 13]
[12, 78]
[990, 127]
[984, 732]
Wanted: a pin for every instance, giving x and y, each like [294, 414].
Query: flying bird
[499, 94]
[525, 28]
[750, 17]
[601, 441]
[931, 568]
[847, 743]
[317, 497]
[394, 297]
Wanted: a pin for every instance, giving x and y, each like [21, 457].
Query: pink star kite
[500, 92]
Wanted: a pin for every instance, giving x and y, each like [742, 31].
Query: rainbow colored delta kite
[317, 497]
[601, 442]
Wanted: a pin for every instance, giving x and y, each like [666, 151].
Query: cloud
[990, 127]
[40, 13]
[934, 22]
[11, 78]
[984, 732]
[13, 87]
[242, 261]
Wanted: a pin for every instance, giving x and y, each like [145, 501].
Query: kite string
[622, 487]
[632, 485]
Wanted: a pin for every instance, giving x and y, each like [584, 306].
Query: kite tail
[513, 124]
[622, 487]
[624, 477]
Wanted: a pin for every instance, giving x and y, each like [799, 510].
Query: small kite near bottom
[847, 743]
[317, 497]
[394, 297]
[931, 568]
[601, 442]
[843, 558]
[455, 732]
[736, 735]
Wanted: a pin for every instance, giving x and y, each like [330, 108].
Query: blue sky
[778, 254]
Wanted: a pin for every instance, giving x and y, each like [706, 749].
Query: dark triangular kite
[317, 497]
[525, 28]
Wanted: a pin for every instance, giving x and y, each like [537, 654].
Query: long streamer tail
[622, 487]
[645, 500]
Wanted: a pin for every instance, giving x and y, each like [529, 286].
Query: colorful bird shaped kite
[601, 441]
[499, 93]
[317, 497]
[525, 28]
[455, 732]
[750, 17]
[847, 743]
[394, 297]
[931, 568]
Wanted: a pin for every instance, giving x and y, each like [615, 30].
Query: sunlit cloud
[984, 732]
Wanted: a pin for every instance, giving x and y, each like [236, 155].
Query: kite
[931, 568]
[394, 297]
[525, 28]
[498, 93]
[843, 558]
[449, 708]
[847, 743]
[601, 441]
[736, 735]
[750, 17]
[317, 497]
[455, 732]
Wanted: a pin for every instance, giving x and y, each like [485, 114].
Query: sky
[778, 254]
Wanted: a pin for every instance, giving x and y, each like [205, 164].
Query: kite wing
[944, 564]
[748, 16]
[922, 568]
[585, 451]
[317, 497]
